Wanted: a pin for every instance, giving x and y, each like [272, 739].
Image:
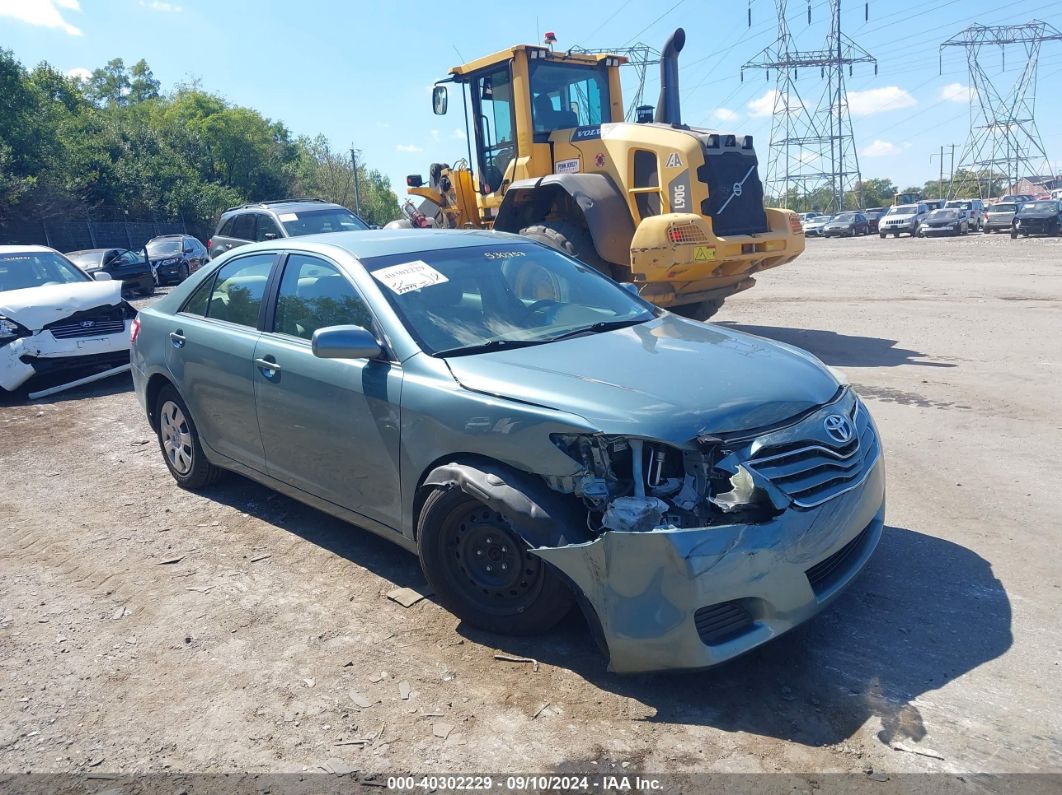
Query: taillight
[134, 330]
[794, 224]
[210, 243]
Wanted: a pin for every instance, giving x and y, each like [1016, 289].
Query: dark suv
[175, 257]
[283, 218]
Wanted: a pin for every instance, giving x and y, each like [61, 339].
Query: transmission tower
[812, 146]
[1003, 138]
[639, 57]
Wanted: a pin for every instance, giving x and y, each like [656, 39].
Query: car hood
[668, 379]
[36, 307]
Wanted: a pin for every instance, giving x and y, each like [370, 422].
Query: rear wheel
[699, 311]
[570, 239]
[179, 441]
[482, 571]
[182, 274]
[881, 235]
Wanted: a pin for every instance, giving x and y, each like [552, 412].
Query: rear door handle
[177, 338]
[268, 366]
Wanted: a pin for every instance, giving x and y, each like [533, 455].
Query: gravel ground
[144, 628]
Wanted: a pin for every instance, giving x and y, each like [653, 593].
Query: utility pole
[1003, 134]
[812, 146]
[357, 191]
[940, 182]
[951, 177]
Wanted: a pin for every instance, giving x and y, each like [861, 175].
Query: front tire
[702, 310]
[570, 239]
[180, 445]
[481, 570]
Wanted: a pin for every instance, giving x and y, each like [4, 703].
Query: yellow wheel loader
[676, 210]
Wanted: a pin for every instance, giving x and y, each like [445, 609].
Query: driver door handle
[177, 338]
[269, 367]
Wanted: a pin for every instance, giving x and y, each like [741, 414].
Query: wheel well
[534, 205]
[154, 386]
[422, 491]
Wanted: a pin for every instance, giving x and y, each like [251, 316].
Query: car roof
[96, 250]
[368, 243]
[10, 249]
[285, 206]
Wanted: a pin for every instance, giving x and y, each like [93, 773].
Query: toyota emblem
[838, 428]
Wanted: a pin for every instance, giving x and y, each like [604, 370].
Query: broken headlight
[10, 330]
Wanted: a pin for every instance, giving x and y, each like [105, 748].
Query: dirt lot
[146, 628]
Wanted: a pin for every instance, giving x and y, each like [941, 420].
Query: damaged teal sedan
[538, 434]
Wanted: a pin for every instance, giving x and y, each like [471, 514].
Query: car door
[330, 427]
[211, 356]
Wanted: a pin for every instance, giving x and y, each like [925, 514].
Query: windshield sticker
[285, 217]
[409, 276]
[503, 254]
[568, 166]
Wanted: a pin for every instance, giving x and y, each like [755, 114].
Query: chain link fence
[77, 235]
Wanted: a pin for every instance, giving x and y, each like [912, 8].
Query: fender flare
[538, 514]
[607, 215]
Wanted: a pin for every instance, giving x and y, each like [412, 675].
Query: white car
[55, 318]
[902, 219]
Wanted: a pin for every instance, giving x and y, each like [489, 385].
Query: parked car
[56, 318]
[131, 268]
[846, 225]
[175, 257]
[528, 427]
[274, 220]
[949, 221]
[814, 227]
[1018, 198]
[805, 217]
[999, 217]
[975, 211]
[902, 219]
[1038, 218]
[874, 215]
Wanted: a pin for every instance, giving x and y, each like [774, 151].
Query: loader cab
[519, 97]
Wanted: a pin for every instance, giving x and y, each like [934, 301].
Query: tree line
[115, 145]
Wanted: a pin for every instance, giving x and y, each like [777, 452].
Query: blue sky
[361, 72]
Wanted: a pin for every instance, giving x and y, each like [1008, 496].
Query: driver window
[493, 96]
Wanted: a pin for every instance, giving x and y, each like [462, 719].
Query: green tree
[142, 83]
[109, 85]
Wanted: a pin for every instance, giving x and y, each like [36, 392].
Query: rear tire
[699, 311]
[180, 445]
[570, 239]
[481, 570]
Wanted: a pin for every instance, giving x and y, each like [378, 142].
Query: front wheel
[179, 441]
[881, 235]
[482, 572]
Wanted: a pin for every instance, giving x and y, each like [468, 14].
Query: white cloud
[880, 148]
[161, 5]
[79, 73]
[957, 92]
[459, 134]
[724, 114]
[436, 136]
[879, 100]
[408, 148]
[41, 13]
[765, 105]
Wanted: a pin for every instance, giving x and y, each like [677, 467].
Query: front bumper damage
[675, 596]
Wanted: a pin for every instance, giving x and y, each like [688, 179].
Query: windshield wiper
[489, 345]
[597, 328]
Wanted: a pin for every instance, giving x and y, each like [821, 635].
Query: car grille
[825, 575]
[722, 622]
[813, 471]
[87, 328]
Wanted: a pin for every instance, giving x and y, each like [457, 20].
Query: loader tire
[570, 239]
[699, 311]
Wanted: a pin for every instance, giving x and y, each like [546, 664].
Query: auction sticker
[409, 276]
[285, 217]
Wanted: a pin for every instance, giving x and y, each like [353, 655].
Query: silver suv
[272, 220]
[903, 219]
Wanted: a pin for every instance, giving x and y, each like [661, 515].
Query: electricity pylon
[1003, 137]
[812, 146]
[640, 57]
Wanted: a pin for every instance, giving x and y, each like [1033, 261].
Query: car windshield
[944, 215]
[959, 205]
[1039, 206]
[469, 300]
[36, 269]
[164, 248]
[844, 217]
[313, 222]
[904, 209]
[1003, 208]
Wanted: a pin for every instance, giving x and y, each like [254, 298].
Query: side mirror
[629, 287]
[269, 236]
[345, 342]
[101, 276]
[439, 100]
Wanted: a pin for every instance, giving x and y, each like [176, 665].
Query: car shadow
[924, 612]
[844, 350]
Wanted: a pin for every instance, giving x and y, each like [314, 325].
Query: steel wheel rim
[176, 437]
[489, 565]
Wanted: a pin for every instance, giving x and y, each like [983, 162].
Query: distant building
[1036, 185]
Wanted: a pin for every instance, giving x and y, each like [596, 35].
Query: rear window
[314, 222]
[1003, 208]
[243, 229]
